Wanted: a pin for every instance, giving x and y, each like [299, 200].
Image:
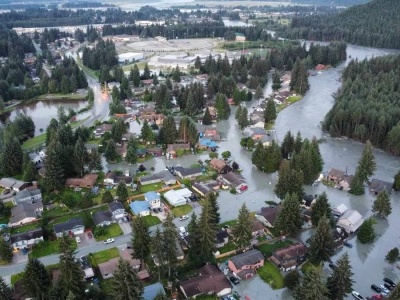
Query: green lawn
[34, 142]
[111, 231]
[228, 247]
[307, 267]
[181, 210]
[94, 142]
[57, 211]
[271, 275]
[103, 256]
[16, 277]
[152, 220]
[149, 187]
[47, 248]
[24, 229]
[71, 96]
[293, 99]
[230, 223]
[267, 249]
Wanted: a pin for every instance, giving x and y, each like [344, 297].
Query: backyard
[152, 220]
[271, 275]
[267, 249]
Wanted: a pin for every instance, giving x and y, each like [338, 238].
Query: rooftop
[247, 258]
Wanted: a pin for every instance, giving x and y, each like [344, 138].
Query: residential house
[255, 118]
[153, 199]
[259, 124]
[109, 267]
[180, 255]
[178, 197]
[257, 228]
[339, 237]
[163, 176]
[290, 257]
[244, 265]
[156, 152]
[345, 183]
[257, 133]
[350, 221]
[101, 130]
[201, 188]
[209, 281]
[13, 184]
[222, 238]
[25, 213]
[207, 144]
[213, 113]
[141, 152]
[188, 173]
[220, 166]
[151, 291]
[308, 201]
[172, 149]
[27, 239]
[73, 226]
[151, 117]
[335, 175]
[27, 195]
[212, 134]
[376, 186]
[102, 218]
[117, 210]
[86, 181]
[112, 178]
[240, 37]
[140, 208]
[234, 180]
[339, 210]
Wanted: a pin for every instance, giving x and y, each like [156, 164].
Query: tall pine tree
[125, 283]
[242, 231]
[36, 280]
[141, 238]
[289, 219]
[340, 282]
[321, 244]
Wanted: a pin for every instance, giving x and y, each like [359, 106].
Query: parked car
[332, 266]
[389, 281]
[183, 218]
[377, 297]
[388, 286]
[376, 288]
[89, 235]
[155, 210]
[109, 241]
[357, 295]
[384, 289]
[347, 244]
[159, 209]
[78, 239]
[244, 188]
[234, 280]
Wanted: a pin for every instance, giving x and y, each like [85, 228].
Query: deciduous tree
[393, 256]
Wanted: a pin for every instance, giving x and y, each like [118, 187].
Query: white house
[178, 197]
[73, 226]
[117, 210]
[153, 198]
[350, 221]
[26, 239]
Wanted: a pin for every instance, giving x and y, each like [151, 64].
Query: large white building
[129, 57]
[177, 197]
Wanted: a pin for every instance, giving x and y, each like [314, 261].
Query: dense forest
[102, 55]
[367, 106]
[333, 2]
[375, 24]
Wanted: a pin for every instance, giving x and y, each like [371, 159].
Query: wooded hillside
[368, 104]
[375, 24]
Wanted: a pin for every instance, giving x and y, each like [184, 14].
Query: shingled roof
[247, 258]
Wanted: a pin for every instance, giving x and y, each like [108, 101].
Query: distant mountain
[375, 24]
[332, 2]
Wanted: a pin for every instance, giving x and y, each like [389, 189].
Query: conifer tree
[365, 169]
[94, 161]
[191, 107]
[170, 236]
[250, 144]
[299, 79]
[36, 280]
[207, 120]
[243, 120]
[90, 96]
[12, 157]
[321, 244]
[29, 172]
[54, 173]
[289, 219]
[269, 112]
[135, 76]
[131, 156]
[395, 293]
[141, 239]
[206, 233]
[258, 156]
[272, 158]
[6, 251]
[321, 208]
[146, 132]
[287, 146]
[290, 181]
[212, 199]
[340, 282]
[258, 93]
[242, 231]
[125, 283]
[169, 130]
[396, 184]
[382, 206]
[312, 287]
[5, 291]
[157, 249]
[366, 233]
[107, 197]
[111, 152]
[80, 157]
[122, 191]
[222, 106]
[393, 256]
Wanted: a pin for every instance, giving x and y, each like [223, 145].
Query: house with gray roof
[26, 239]
[153, 199]
[117, 210]
[201, 188]
[27, 195]
[234, 180]
[163, 176]
[13, 184]
[376, 186]
[73, 226]
[102, 218]
[244, 265]
[189, 173]
[25, 213]
[350, 221]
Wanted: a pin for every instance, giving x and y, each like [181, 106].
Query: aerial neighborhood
[210, 151]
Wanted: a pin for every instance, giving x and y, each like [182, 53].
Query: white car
[109, 241]
[384, 289]
[78, 239]
[183, 218]
[357, 295]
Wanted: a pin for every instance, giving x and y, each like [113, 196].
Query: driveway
[126, 227]
[85, 240]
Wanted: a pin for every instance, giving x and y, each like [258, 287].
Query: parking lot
[85, 240]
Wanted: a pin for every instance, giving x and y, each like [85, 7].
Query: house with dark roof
[376, 186]
[244, 265]
[102, 218]
[220, 166]
[13, 184]
[27, 239]
[27, 195]
[335, 175]
[308, 200]
[188, 173]
[108, 268]
[141, 152]
[209, 281]
[267, 215]
[345, 183]
[234, 180]
[101, 130]
[201, 188]
[25, 213]
[73, 226]
[163, 176]
[290, 257]
[222, 238]
[117, 210]
[112, 178]
[257, 228]
[86, 181]
[339, 237]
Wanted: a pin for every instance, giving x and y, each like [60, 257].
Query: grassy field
[307, 267]
[56, 212]
[47, 248]
[271, 275]
[267, 249]
[149, 187]
[24, 228]
[71, 96]
[152, 220]
[111, 231]
[181, 210]
[93, 73]
[228, 247]
[103, 256]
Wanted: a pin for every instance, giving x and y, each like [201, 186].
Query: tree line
[366, 107]
[101, 56]
[361, 25]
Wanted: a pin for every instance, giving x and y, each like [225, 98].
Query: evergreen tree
[272, 158]
[258, 156]
[146, 132]
[169, 130]
[366, 233]
[292, 279]
[158, 250]
[191, 107]
[125, 283]
[269, 112]
[365, 169]
[222, 106]
[111, 152]
[122, 191]
[36, 280]
[12, 157]
[94, 161]
[107, 197]
[146, 71]
[299, 79]
[396, 184]
[395, 293]
[29, 172]
[90, 96]
[118, 129]
[312, 287]
[212, 199]
[5, 291]
[207, 120]
[298, 143]
[243, 120]
[176, 74]
[382, 205]
[54, 173]
[340, 282]
[320, 209]
[170, 236]
[290, 181]
[80, 157]
[321, 244]
[242, 231]
[135, 76]
[206, 235]
[71, 271]
[141, 238]
[131, 156]
[250, 144]
[258, 93]
[393, 256]
[289, 219]
[6, 251]
[357, 185]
